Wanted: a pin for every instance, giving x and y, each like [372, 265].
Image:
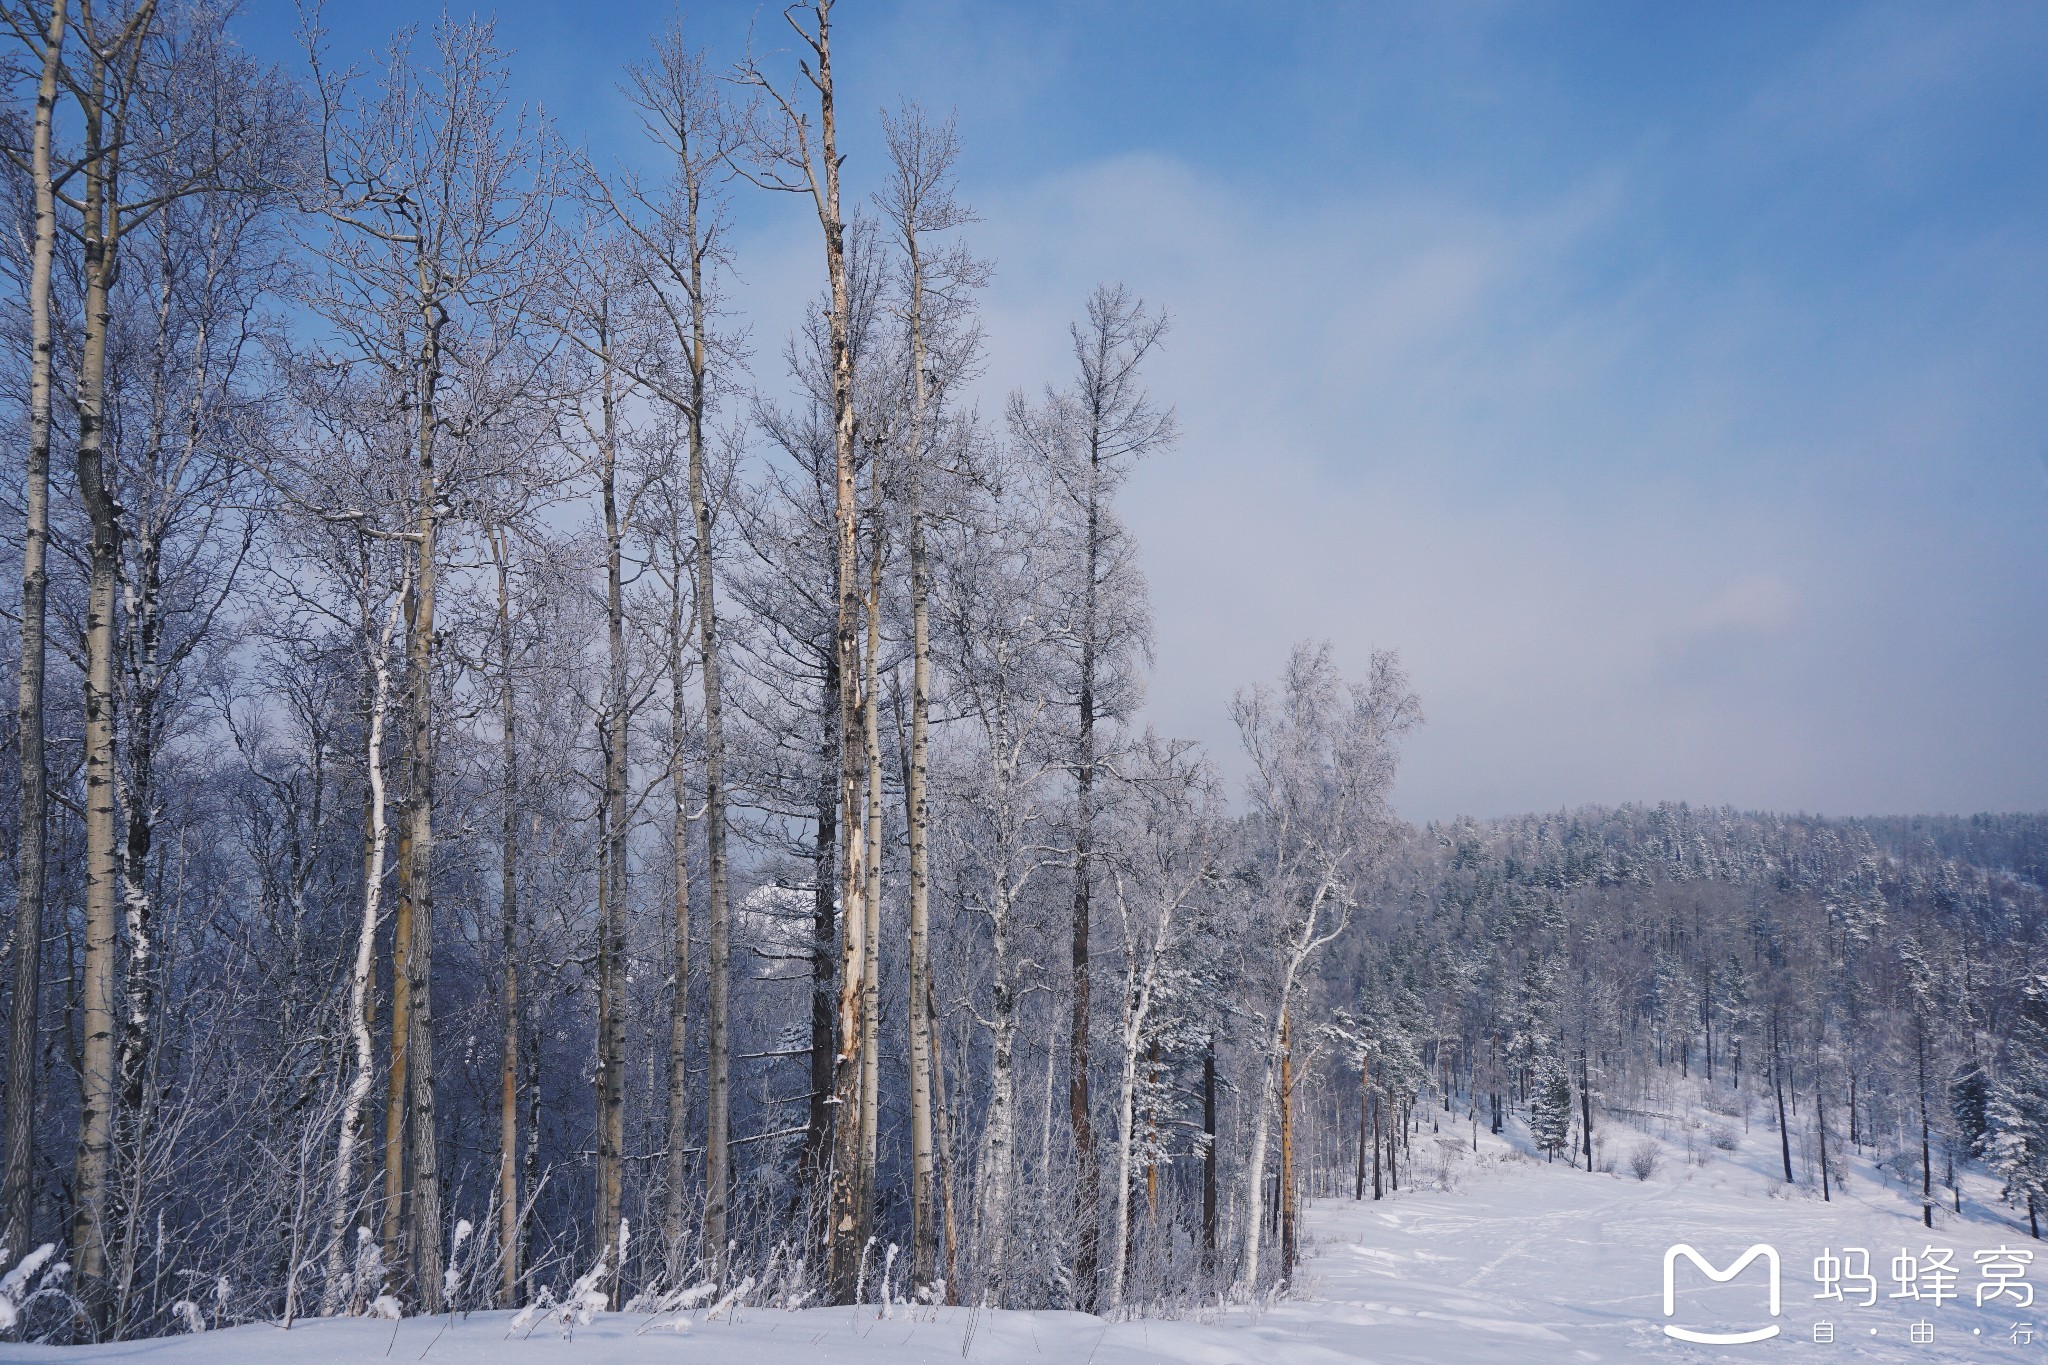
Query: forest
[523, 793]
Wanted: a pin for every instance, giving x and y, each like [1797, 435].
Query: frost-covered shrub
[16, 1298]
[1725, 1139]
[1644, 1158]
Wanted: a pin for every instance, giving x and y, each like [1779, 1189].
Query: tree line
[1869, 987]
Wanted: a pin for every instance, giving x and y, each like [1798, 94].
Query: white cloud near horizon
[1402, 430]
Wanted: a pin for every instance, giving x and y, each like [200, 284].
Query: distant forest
[1877, 982]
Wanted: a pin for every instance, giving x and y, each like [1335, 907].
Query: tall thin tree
[17, 1186]
[787, 159]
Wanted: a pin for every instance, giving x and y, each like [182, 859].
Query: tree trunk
[943, 1140]
[1255, 1172]
[1364, 1122]
[1287, 1245]
[816, 1165]
[1586, 1105]
[398, 1073]
[1126, 1121]
[508, 944]
[993, 1214]
[1209, 1150]
[718, 1082]
[611, 954]
[849, 1178]
[17, 1186]
[339, 1294]
[415, 888]
[142, 642]
[677, 1166]
[1926, 1155]
[1778, 1087]
[1378, 1185]
[923, 1225]
[1087, 1181]
[97, 1080]
[871, 981]
[1820, 1122]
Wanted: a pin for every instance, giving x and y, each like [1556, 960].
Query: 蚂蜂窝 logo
[1761, 1250]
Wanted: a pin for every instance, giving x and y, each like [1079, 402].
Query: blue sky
[1665, 382]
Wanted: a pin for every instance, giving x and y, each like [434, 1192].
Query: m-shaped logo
[1768, 1254]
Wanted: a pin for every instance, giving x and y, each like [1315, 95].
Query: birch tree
[1161, 860]
[43, 35]
[1089, 436]
[998, 641]
[677, 224]
[595, 293]
[1322, 756]
[937, 285]
[166, 112]
[788, 158]
[434, 205]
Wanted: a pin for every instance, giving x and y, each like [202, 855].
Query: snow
[1503, 1256]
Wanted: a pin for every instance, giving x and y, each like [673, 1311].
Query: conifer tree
[2019, 1105]
[1550, 1116]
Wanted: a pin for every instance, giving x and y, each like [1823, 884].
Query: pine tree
[2019, 1104]
[1969, 1099]
[1550, 1116]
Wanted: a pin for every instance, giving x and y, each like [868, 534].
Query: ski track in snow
[1520, 1260]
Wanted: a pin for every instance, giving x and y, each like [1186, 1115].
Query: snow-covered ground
[1509, 1258]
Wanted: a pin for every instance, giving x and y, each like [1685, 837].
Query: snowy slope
[1508, 1258]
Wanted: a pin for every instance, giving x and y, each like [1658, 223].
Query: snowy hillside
[1499, 1256]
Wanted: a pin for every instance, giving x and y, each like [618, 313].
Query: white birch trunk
[338, 1291]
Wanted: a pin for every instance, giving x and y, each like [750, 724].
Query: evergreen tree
[1970, 1101]
[1550, 1116]
[2019, 1105]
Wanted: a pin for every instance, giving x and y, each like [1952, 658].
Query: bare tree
[510, 1241]
[937, 284]
[998, 645]
[167, 112]
[595, 296]
[435, 204]
[1089, 436]
[379, 609]
[787, 158]
[1322, 759]
[1158, 869]
[677, 228]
